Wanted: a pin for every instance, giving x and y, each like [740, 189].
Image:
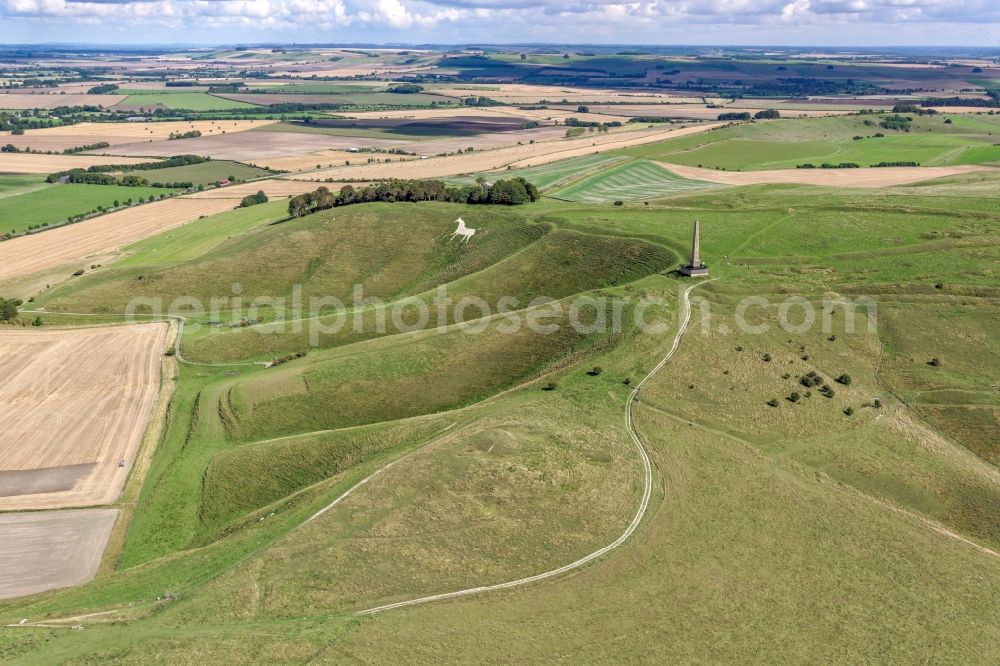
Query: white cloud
[493, 20]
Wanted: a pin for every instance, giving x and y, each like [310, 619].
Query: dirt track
[865, 177]
[51, 549]
[74, 402]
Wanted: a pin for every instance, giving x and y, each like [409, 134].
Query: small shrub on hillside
[877, 403]
[827, 391]
[849, 411]
[78, 273]
[37, 321]
[767, 358]
[550, 386]
[739, 348]
[832, 338]
[844, 379]
[934, 362]
[773, 402]
[596, 370]
[794, 396]
[619, 203]
[627, 381]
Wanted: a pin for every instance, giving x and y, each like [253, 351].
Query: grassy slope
[788, 143]
[52, 205]
[769, 535]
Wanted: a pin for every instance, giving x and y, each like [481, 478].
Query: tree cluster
[254, 199]
[510, 192]
[9, 308]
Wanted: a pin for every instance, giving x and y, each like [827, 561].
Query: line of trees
[510, 192]
[175, 161]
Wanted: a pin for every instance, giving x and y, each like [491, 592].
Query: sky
[744, 22]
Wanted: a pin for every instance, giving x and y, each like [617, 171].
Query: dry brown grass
[864, 177]
[74, 397]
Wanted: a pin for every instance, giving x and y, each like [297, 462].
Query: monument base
[694, 271]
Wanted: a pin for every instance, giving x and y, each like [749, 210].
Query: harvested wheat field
[98, 238]
[519, 156]
[256, 147]
[273, 188]
[82, 134]
[41, 163]
[50, 101]
[74, 403]
[324, 158]
[863, 177]
[51, 549]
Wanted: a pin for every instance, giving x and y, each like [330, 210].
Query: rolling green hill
[786, 521]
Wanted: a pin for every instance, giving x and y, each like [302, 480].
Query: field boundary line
[636, 520]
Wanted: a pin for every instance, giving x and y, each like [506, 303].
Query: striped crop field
[545, 176]
[633, 181]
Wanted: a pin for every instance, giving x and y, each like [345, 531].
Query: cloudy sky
[777, 22]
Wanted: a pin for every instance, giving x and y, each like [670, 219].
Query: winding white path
[639, 514]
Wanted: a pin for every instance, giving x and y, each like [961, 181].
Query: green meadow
[203, 173]
[931, 141]
[52, 204]
[191, 101]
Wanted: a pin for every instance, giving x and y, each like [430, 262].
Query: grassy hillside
[788, 522]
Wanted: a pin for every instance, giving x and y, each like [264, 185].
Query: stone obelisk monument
[695, 268]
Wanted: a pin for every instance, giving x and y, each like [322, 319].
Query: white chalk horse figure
[465, 232]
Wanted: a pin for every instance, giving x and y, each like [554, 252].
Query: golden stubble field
[35, 163]
[74, 404]
[85, 134]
